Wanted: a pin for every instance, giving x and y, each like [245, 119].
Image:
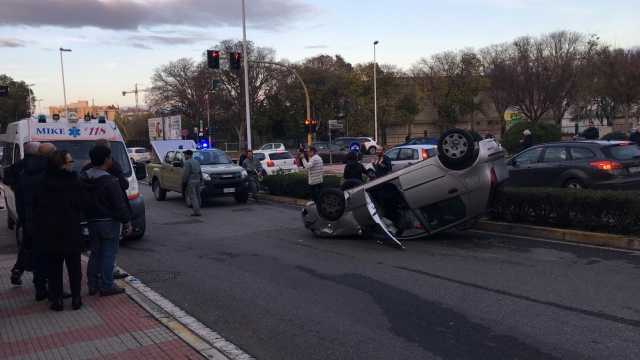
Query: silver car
[430, 196]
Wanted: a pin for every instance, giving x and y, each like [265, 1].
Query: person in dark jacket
[353, 169]
[527, 140]
[58, 207]
[382, 165]
[108, 211]
[243, 157]
[14, 178]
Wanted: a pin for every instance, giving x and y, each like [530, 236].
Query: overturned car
[448, 191]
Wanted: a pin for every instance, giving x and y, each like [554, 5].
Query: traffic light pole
[246, 75]
[304, 86]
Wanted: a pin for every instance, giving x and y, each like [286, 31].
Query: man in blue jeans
[108, 212]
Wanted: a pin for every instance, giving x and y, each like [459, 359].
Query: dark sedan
[332, 152]
[607, 165]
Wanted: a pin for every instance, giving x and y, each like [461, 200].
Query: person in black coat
[353, 169]
[58, 208]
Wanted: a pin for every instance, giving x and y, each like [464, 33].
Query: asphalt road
[256, 276]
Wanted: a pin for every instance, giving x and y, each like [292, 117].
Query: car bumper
[618, 184]
[213, 189]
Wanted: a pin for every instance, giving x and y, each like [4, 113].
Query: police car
[77, 136]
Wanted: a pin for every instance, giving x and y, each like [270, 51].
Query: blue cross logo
[74, 131]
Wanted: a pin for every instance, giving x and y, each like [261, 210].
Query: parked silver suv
[430, 196]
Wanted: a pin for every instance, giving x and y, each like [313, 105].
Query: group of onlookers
[52, 202]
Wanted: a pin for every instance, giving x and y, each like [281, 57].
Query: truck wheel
[457, 149]
[159, 193]
[331, 204]
[242, 197]
[372, 150]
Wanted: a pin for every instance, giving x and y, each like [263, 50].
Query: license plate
[634, 169]
[229, 190]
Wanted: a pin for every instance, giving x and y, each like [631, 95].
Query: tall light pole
[246, 74]
[375, 90]
[64, 87]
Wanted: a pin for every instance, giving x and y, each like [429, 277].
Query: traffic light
[213, 59]
[314, 125]
[307, 126]
[235, 60]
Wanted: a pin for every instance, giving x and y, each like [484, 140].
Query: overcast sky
[117, 43]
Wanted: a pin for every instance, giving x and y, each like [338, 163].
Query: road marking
[209, 343]
[634, 252]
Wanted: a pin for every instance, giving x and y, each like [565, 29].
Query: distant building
[82, 108]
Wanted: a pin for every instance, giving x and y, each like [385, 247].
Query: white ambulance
[77, 136]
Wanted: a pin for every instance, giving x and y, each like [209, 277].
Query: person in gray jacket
[253, 167]
[192, 180]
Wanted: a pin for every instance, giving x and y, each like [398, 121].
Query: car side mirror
[177, 164]
[140, 170]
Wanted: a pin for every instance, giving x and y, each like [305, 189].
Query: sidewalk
[114, 327]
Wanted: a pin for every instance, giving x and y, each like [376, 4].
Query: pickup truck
[221, 177]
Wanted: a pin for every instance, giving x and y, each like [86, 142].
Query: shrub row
[591, 210]
[295, 185]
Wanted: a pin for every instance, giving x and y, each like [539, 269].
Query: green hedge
[295, 185]
[601, 211]
[541, 132]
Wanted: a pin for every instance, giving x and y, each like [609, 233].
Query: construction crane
[135, 91]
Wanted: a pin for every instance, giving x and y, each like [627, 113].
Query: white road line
[633, 252]
[217, 342]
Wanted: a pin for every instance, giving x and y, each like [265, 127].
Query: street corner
[115, 327]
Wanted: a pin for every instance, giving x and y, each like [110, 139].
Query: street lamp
[375, 90]
[246, 75]
[64, 88]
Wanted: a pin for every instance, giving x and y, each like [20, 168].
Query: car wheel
[457, 149]
[331, 204]
[576, 184]
[159, 193]
[372, 150]
[242, 197]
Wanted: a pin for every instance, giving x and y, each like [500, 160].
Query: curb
[566, 235]
[572, 236]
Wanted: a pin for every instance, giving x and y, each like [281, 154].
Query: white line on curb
[211, 337]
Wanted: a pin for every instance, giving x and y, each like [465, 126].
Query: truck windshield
[80, 152]
[211, 157]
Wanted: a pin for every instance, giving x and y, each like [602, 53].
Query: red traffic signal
[213, 59]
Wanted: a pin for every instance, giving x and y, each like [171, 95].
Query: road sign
[335, 124]
[355, 147]
[4, 91]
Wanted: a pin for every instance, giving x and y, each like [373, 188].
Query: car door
[555, 161]
[524, 166]
[406, 157]
[393, 156]
[166, 171]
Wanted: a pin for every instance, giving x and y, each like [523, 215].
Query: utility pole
[64, 87]
[135, 91]
[375, 90]
[246, 74]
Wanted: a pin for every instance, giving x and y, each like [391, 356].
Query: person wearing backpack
[107, 213]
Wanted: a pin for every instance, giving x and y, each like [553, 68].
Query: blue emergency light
[203, 144]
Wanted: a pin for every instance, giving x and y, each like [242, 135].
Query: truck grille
[228, 176]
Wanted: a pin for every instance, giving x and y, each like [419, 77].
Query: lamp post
[64, 88]
[246, 75]
[375, 90]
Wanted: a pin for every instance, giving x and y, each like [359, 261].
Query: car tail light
[606, 165]
[425, 154]
[270, 163]
[133, 196]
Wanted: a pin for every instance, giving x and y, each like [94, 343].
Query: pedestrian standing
[23, 201]
[315, 171]
[527, 140]
[382, 164]
[58, 207]
[243, 156]
[192, 181]
[253, 168]
[353, 169]
[107, 212]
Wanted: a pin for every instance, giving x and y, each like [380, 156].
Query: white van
[77, 136]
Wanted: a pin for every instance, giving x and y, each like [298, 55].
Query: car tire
[457, 150]
[331, 204]
[574, 183]
[350, 184]
[372, 150]
[242, 197]
[158, 192]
